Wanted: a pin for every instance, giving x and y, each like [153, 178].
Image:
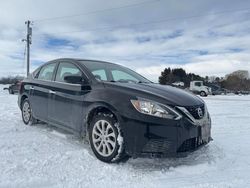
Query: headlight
[155, 109]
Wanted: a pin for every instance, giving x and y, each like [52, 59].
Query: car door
[66, 100]
[39, 91]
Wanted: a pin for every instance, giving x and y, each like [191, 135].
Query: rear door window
[100, 74]
[46, 72]
[67, 69]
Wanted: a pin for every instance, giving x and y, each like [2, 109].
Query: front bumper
[166, 139]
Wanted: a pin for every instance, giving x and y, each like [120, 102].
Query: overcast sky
[208, 37]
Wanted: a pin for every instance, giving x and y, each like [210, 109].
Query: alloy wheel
[26, 112]
[104, 139]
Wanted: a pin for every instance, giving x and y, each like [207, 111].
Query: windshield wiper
[127, 81]
[141, 82]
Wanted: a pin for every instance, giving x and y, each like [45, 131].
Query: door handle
[52, 92]
[31, 87]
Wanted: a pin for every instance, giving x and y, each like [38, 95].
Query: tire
[106, 139]
[203, 94]
[27, 116]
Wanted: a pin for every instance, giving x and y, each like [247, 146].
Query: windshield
[113, 73]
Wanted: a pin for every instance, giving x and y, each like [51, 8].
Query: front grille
[157, 146]
[194, 111]
[190, 144]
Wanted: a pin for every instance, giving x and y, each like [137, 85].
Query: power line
[96, 11]
[152, 22]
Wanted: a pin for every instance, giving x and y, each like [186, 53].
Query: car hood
[151, 91]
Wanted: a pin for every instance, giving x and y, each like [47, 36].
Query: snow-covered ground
[41, 156]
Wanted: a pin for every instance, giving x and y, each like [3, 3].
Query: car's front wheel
[106, 138]
[27, 117]
[203, 94]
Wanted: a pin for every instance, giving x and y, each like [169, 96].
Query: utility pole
[28, 41]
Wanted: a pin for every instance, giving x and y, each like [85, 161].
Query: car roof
[82, 60]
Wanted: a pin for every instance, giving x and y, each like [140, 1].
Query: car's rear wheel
[27, 117]
[106, 138]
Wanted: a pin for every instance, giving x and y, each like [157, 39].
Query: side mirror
[74, 79]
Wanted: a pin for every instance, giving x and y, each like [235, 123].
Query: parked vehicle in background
[216, 89]
[221, 91]
[198, 87]
[242, 92]
[120, 112]
[178, 84]
[14, 88]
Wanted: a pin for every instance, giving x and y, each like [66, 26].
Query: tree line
[10, 79]
[235, 83]
[169, 76]
[232, 82]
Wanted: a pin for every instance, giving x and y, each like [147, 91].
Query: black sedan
[120, 112]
